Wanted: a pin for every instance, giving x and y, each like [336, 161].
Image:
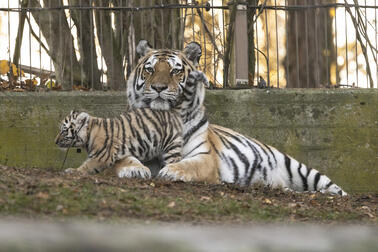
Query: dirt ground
[48, 194]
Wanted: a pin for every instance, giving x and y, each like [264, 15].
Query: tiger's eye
[149, 70]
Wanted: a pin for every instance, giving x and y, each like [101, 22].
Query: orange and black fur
[123, 142]
[168, 80]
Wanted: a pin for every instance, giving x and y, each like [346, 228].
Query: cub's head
[160, 77]
[73, 130]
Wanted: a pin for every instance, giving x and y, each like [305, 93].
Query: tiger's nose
[159, 88]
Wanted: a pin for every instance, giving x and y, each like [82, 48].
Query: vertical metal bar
[223, 42]
[346, 43]
[356, 44]
[71, 49]
[317, 65]
[81, 39]
[30, 61]
[214, 63]
[50, 33]
[204, 41]
[100, 12]
[40, 51]
[307, 51]
[296, 45]
[257, 52]
[267, 47]
[277, 55]
[337, 64]
[287, 46]
[376, 43]
[19, 59]
[92, 39]
[194, 37]
[111, 48]
[9, 35]
[366, 45]
[162, 25]
[326, 44]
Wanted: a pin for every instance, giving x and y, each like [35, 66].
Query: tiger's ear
[193, 52]
[82, 117]
[143, 48]
[74, 114]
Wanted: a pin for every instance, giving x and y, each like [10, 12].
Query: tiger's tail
[299, 177]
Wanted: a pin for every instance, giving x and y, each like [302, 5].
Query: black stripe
[236, 171]
[145, 114]
[123, 135]
[105, 126]
[200, 153]
[288, 168]
[317, 178]
[304, 179]
[270, 150]
[194, 129]
[329, 184]
[235, 137]
[256, 162]
[196, 147]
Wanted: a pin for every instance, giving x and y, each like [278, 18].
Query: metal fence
[87, 44]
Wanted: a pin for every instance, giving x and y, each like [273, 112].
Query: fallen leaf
[42, 195]
[152, 184]
[205, 198]
[267, 201]
[171, 204]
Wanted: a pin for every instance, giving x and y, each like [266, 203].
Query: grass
[38, 193]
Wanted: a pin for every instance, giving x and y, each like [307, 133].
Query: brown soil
[51, 194]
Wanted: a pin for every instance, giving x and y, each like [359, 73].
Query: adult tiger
[167, 79]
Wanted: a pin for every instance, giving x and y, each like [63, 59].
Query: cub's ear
[82, 117]
[143, 48]
[193, 52]
[74, 114]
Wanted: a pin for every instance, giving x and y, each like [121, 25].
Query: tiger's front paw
[174, 173]
[134, 172]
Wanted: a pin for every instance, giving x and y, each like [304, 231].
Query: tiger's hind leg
[131, 167]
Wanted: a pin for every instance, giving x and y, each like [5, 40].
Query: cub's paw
[198, 76]
[134, 172]
[71, 170]
[174, 173]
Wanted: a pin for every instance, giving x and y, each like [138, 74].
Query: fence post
[241, 45]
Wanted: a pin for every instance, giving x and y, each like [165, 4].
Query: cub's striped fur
[212, 153]
[123, 142]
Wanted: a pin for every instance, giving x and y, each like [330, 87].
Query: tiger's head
[73, 130]
[159, 79]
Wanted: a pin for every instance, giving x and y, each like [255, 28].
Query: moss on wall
[334, 131]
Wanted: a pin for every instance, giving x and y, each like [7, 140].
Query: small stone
[59, 208]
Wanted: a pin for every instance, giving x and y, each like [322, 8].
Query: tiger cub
[123, 142]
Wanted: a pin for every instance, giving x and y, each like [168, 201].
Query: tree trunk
[20, 33]
[83, 20]
[310, 49]
[55, 29]
[110, 47]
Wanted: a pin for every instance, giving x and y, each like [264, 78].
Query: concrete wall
[334, 131]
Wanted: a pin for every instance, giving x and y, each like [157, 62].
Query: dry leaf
[171, 204]
[42, 195]
[267, 201]
[205, 198]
